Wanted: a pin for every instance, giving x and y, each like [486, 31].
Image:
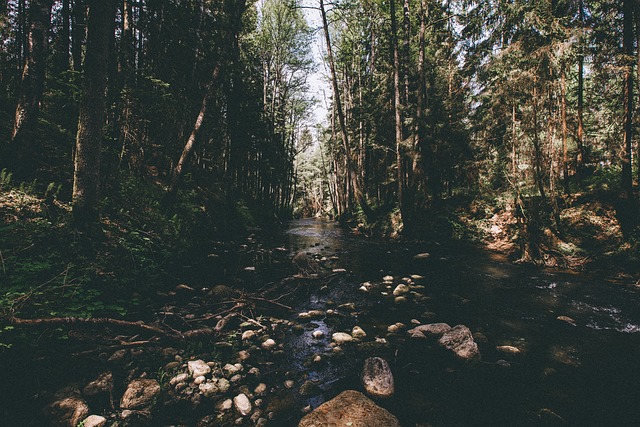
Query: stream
[587, 374]
[578, 337]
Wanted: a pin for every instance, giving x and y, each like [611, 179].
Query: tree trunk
[63, 60]
[581, 155]
[627, 40]
[78, 33]
[565, 157]
[33, 73]
[86, 177]
[341, 118]
[397, 105]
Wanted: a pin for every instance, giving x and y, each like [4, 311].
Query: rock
[400, 300]
[387, 279]
[317, 334]
[395, 328]
[230, 369]
[339, 271]
[140, 394]
[401, 289]
[260, 389]
[223, 385]
[242, 404]
[208, 389]
[341, 338]
[243, 355]
[430, 330]
[102, 384]
[311, 314]
[508, 349]
[247, 335]
[568, 320]
[309, 388]
[377, 378]
[199, 380]
[424, 255]
[416, 277]
[67, 412]
[460, 341]
[94, 421]
[268, 344]
[198, 368]
[225, 405]
[289, 384]
[358, 333]
[349, 408]
[180, 378]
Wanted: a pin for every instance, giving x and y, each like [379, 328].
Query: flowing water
[587, 374]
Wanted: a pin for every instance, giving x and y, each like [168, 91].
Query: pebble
[225, 405]
[401, 289]
[198, 368]
[400, 300]
[289, 384]
[268, 344]
[242, 404]
[260, 389]
[199, 380]
[358, 333]
[208, 389]
[223, 385]
[387, 279]
[508, 349]
[94, 421]
[341, 337]
[231, 370]
[180, 378]
[247, 335]
[317, 334]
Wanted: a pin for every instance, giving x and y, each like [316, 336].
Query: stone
[416, 277]
[247, 335]
[289, 384]
[358, 333]
[67, 412]
[180, 378]
[341, 338]
[378, 378]
[508, 349]
[349, 408]
[94, 421]
[223, 385]
[101, 385]
[460, 341]
[339, 271]
[568, 320]
[140, 394]
[243, 355]
[395, 328]
[311, 314]
[400, 300]
[317, 334]
[309, 388]
[387, 278]
[268, 344]
[430, 330]
[400, 290]
[201, 379]
[198, 368]
[242, 404]
[422, 256]
[208, 389]
[260, 389]
[230, 369]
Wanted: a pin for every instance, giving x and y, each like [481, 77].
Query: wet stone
[377, 378]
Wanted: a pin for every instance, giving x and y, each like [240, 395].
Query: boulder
[377, 378]
[460, 341]
[430, 330]
[349, 408]
[101, 385]
[198, 368]
[140, 394]
[67, 412]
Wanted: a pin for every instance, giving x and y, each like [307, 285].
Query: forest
[204, 204]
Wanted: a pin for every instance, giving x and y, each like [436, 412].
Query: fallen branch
[53, 321]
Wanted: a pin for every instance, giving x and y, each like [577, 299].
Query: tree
[86, 177]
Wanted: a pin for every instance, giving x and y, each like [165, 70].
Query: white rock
[260, 389]
[423, 255]
[198, 368]
[230, 369]
[199, 380]
[341, 337]
[358, 333]
[289, 383]
[268, 344]
[223, 385]
[180, 378]
[242, 404]
[94, 421]
[387, 279]
[317, 334]
[208, 389]
[140, 394]
[247, 335]
[339, 270]
[401, 289]
[225, 405]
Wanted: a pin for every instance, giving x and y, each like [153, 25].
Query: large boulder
[430, 330]
[460, 341]
[140, 394]
[67, 412]
[378, 378]
[349, 408]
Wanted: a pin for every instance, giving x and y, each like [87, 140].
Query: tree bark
[86, 177]
[565, 156]
[627, 41]
[581, 155]
[34, 71]
[78, 33]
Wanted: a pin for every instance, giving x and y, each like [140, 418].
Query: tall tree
[35, 66]
[86, 177]
[627, 44]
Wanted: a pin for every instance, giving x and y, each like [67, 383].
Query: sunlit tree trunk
[86, 177]
[34, 71]
[581, 155]
[627, 40]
